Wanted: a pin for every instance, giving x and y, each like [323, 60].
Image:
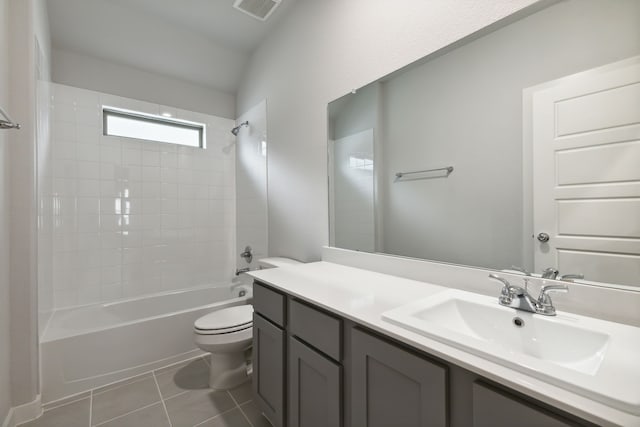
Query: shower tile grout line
[164, 406]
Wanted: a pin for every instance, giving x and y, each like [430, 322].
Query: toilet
[227, 335]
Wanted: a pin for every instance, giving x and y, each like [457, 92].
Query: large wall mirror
[518, 147]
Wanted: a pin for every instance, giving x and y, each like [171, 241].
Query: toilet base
[227, 370]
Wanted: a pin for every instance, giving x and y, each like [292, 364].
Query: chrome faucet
[544, 304]
[239, 271]
[520, 299]
[552, 273]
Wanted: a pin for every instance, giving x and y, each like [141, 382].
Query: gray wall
[5, 341]
[73, 69]
[320, 52]
[465, 109]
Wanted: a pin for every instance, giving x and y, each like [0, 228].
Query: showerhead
[236, 129]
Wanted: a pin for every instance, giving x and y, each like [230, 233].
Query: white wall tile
[121, 223]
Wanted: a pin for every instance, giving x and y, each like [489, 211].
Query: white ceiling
[206, 42]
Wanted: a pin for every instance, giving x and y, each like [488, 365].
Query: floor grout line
[246, 417]
[124, 415]
[46, 406]
[240, 409]
[214, 417]
[121, 383]
[161, 399]
[176, 395]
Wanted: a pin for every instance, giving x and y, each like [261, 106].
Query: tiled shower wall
[134, 217]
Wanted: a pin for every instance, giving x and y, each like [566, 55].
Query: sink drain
[518, 322]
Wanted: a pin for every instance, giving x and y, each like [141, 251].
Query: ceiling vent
[259, 9]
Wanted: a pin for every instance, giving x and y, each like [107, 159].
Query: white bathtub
[87, 347]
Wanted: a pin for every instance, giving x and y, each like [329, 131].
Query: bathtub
[91, 346]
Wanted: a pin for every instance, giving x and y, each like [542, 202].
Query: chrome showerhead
[236, 129]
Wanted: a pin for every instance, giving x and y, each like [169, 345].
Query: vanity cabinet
[315, 369]
[394, 387]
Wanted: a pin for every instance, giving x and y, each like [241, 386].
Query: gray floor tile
[72, 415]
[233, 418]
[193, 407]
[190, 376]
[151, 416]
[243, 393]
[123, 399]
[252, 412]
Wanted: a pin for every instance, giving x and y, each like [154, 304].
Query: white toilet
[227, 335]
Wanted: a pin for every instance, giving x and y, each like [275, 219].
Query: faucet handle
[544, 300]
[505, 294]
[550, 273]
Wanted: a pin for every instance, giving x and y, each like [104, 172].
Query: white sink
[592, 357]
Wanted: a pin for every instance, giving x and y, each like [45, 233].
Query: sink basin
[585, 355]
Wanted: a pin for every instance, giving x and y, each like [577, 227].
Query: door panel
[586, 173]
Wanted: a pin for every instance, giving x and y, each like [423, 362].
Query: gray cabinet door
[315, 385]
[394, 387]
[269, 369]
[495, 408]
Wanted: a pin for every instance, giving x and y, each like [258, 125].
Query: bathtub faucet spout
[239, 271]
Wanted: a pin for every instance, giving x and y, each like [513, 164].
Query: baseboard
[23, 413]
[9, 421]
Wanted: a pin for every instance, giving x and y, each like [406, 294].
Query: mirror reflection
[515, 148]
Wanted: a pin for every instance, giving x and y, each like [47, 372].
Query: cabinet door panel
[394, 387]
[269, 369]
[495, 408]
[315, 385]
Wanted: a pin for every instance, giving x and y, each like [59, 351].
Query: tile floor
[176, 396]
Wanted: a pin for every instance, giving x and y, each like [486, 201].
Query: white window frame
[108, 111]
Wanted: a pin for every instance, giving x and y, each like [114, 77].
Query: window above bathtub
[151, 127]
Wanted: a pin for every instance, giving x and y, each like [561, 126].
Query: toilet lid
[227, 319]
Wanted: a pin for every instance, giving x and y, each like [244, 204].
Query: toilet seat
[225, 321]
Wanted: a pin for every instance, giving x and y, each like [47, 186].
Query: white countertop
[362, 296]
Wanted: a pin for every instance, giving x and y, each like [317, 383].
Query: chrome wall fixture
[6, 122]
[448, 171]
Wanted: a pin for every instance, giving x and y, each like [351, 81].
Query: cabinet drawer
[318, 329]
[269, 303]
[496, 408]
